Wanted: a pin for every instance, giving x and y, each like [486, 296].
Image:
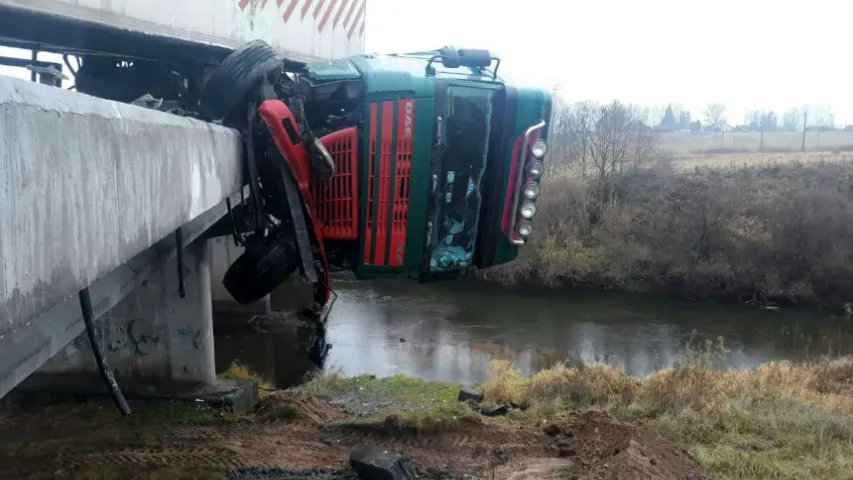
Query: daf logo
[407, 132]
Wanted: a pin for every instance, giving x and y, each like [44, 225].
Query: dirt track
[294, 436]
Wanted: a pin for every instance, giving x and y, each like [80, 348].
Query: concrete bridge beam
[91, 192]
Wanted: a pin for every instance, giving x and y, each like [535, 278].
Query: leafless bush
[601, 141]
[599, 144]
[776, 232]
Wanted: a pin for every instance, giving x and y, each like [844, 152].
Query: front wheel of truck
[261, 268]
[237, 76]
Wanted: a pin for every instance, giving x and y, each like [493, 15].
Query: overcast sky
[744, 53]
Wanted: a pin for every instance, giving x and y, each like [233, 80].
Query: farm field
[683, 143]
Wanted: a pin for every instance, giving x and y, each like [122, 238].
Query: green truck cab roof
[396, 72]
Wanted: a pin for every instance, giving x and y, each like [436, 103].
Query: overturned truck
[421, 164]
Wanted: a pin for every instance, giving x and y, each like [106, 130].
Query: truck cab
[421, 164]
[446, 171]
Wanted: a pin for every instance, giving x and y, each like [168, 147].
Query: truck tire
[234, 78]
[260, 269]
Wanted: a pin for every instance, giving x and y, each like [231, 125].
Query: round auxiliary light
[525, 229]
[531, 190]
[535, 168]
[539, 148]
[528, 210]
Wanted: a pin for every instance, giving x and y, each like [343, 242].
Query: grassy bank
[769, 233]
[783, 421]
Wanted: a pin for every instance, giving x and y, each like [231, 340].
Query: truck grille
[336, 200]
[389, 170]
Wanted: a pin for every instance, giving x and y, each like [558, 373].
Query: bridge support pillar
[154, 335]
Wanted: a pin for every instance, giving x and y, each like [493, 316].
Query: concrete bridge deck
[91, 192]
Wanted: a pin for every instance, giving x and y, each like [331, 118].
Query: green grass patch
[159, 413]
[415, 403]
[399, 387]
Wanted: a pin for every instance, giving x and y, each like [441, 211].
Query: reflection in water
[276, 351]
[450, 331]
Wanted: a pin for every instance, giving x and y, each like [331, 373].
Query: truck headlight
[535, 168]
[539, 148]
[531, 190]
[525, 229]
[528, 210]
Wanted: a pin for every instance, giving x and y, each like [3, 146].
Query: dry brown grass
[784, 420]
[687, 162]
[237, 370]
[775, 232]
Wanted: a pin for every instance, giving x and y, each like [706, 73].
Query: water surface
[451, 331]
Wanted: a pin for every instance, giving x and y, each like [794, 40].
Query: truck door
[459, 160]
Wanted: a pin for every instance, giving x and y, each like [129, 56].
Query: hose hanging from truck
[106, 372]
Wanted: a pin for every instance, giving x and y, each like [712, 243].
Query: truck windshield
[462, 158]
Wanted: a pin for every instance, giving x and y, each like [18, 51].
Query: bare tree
[822, 117]
[656, 113]
[715, 116]
[600, 141]
[618, 142]
[570, 127]
[677, 109]
[642, 114]
[792, 120]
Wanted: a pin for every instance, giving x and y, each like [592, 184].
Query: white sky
[745, 53]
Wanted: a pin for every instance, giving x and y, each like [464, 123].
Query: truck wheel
[234, 78]
[260, 269]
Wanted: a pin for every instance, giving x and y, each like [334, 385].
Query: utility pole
[805, 122]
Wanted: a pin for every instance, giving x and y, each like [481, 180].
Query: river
[450, 331]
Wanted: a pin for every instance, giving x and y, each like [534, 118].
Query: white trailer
[127, 49]
[301, 30]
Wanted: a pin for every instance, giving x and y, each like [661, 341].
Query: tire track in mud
[221, 448]
[471, 443]
[185, 457]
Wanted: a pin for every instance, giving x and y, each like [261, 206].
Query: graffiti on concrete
[131, 336]
[195, 334]
[144, 336]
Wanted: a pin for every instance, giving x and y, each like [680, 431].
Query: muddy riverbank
[292, 435]
[782, 420]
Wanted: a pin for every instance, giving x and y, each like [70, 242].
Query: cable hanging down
[106, 373]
